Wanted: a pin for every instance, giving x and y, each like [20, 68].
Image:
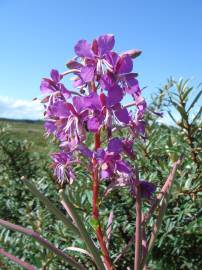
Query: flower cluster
[102, 79]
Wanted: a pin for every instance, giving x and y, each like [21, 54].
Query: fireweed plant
[94, 109]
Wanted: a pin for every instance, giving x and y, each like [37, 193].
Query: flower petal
[78, 82]
[123, 115]
[115, 95]
[83, 49]
[60, 109]
[49, 127]
[87, 73]
[46, 86]
[123, 167]
[55, 75]
[66, 93]
[115, 145]
[112, 58]
[105, 44]
[147, 189]
[132, 84]
[85, 151]
[118, 183]
[128, 148]
[107, 81]
[93, 124]
[87, 102]
[125, 64]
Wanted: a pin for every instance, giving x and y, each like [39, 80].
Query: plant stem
[99, 233]
[83, 232]
[144, 241]
[138, 230]
[43, 242]
[10, 256]
[162, 197]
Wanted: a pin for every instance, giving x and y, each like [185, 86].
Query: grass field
[32, 131]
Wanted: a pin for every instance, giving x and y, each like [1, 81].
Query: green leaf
[187, 93]
[83, 232]
[94, 223]
[180, 109]
[172, 117]
[56, 212]
[197, 116]
[188, 183]
[194, 101]
[89, 196]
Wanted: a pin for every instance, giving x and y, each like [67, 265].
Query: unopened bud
[73, 64]
[133, 53]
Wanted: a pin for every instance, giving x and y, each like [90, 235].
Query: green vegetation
[24, 152]
[31, 131]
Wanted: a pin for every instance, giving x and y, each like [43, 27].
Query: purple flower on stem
[110, 160]
[53, 85]
[121, 73]
[105, 77]
[94, 57]
[95, 109]
[62, 164]
[113, 112]
[128, 181]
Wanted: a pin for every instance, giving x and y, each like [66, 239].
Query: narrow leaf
[83, 232]
[172, 117]
[43, 242]
[163, 197]
[81, 250]
[194, 101]
[197, 116]
[56, 212]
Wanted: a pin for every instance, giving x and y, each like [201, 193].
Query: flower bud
[133, 53]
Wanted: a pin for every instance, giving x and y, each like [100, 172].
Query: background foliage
[24, 152]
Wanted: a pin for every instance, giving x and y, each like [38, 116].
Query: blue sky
[38, 35]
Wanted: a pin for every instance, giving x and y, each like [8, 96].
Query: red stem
[99, 233]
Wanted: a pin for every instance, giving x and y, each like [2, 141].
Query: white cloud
[20, 109]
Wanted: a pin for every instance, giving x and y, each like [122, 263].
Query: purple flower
[115, 95]
[113, 112]
[138, 123]
[111, 162]
[62, 168]
[147, 189]
[83, 49]
[53, 85]
[105, 44]
[67, 122]
[74, 127]
[120, 73]
[100, 46]
[94, 57]
[115, 145]
[49, 127]
[103, 78]
[92, 107]
[128, 181]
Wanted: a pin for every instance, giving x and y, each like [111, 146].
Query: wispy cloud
[20, 109]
